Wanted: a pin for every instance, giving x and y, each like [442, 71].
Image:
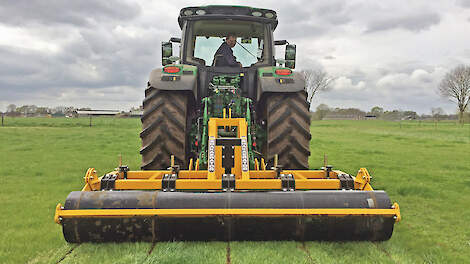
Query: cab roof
[228, 12]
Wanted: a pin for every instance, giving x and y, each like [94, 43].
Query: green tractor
[225, 151]
[191, 88]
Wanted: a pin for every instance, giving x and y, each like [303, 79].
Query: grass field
[426, 168]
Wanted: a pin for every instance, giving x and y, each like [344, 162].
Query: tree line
[34, 110]
[323, 111]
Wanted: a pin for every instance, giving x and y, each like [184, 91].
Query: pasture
[424, 167]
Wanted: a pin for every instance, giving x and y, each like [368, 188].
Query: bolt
[62, 208]
[393, 206]
[395, 217]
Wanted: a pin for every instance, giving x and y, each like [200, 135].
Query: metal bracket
[108, 182]
[169, 182]
[228, 182]
[328, 170]
[278, 170]
[287, 182]
[347, 181]
[124, 169]
[276, 167]
[228, 152]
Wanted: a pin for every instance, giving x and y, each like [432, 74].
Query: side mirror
[167, 52]
[290, 56]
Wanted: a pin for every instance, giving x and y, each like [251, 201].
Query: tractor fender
[285, 84]
[174, 82]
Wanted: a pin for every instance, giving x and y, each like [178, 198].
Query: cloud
[464, 3]
[83, 12]
[406, 91]
[411, 22]
[329, 57]
[346, 84]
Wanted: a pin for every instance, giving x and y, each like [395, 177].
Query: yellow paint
[211, 212]
[263, 164]
[362, 180]
[190, 166]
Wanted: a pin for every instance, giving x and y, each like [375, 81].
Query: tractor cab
[205, 28]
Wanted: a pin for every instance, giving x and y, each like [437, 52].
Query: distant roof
[98, 112]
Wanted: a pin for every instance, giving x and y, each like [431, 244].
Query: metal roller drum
[227, 227]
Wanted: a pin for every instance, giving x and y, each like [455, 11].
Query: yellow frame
[194, 179]
[268, 212]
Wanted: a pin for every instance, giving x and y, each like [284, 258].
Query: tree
[456, 87]
[316, 81]
[437, 112]
[11, 108]
[322, 110]
[377, 111]
[42, 110]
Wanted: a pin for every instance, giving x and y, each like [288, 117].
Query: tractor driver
[224, 55]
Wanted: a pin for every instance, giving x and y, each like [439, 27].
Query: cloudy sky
[98, 54]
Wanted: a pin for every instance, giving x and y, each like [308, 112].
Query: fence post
[90, 120]
[2, 117]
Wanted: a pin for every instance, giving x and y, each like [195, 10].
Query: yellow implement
[289, 204]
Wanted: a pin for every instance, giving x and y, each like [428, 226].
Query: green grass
[423, 167]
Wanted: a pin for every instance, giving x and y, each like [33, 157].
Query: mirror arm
[281, 42]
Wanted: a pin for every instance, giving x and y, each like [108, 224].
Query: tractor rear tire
[288, 129]
[164, 129]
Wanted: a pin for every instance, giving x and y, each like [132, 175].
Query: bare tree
[456, 87]
[437, 112]
[316, 81]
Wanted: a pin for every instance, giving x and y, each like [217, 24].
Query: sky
[99, 54]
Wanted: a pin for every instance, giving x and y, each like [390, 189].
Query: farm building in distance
[97, 112]
[132, 113]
